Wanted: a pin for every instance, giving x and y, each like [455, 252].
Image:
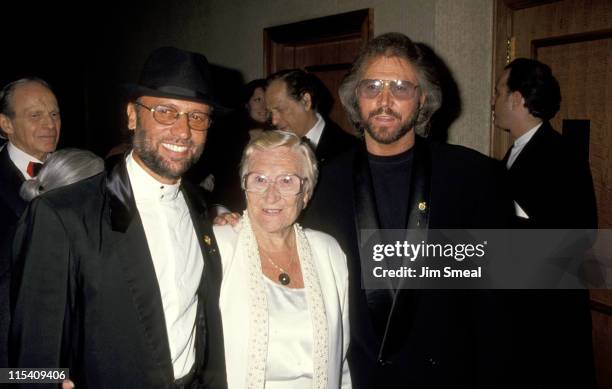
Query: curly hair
[394, 44]
[536, 83]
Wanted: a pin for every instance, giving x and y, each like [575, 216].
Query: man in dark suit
[30, 119]
[293, 101]
[552, 188]
[404, 338]
[120, 272]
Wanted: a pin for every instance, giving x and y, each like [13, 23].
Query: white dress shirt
[314, 134]
[177, 259]
[21, 159]
[517, 147]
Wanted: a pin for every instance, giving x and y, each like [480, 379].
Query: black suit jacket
[555, 189]
[11, 204]
[435, 339]
[89, 298]
[552, 184]
[11, 208]
[333, 142]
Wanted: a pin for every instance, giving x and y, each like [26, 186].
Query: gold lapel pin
[422, 206]
[207, 239]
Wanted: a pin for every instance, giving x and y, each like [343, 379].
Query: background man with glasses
[121, 272]
[398, 180]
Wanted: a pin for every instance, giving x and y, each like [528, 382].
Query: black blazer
[334, 141]
[11, 208]
[89, 298]
[555, 188]
[11, 204]
[552, 185]
[436, 339]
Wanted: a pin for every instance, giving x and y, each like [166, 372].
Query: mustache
[179, 142]
[386, 111]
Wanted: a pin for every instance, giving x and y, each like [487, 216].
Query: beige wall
[463, 38]
[232, 30]
[230, 33]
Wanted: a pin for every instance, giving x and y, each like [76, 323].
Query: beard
[147, 150]
[386, 135]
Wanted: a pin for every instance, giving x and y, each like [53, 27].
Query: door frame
[354, 24]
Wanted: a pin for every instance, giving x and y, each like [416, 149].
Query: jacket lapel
[210, 352]
[420, 187]
[130, 244]
[366, 213]
[366, 217]
[197, 210]
[530, 151]
[11, 180]
[402, 309]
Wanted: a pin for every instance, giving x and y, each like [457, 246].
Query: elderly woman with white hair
[283, 301]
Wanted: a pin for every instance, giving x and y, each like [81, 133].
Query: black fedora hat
[176, 74]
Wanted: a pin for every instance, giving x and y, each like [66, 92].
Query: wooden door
[325, 47]
[573, 37]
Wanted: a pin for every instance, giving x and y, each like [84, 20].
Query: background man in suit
[552, 188]
[398, 180]
[30, 119]
[121, 272]
[293, 101]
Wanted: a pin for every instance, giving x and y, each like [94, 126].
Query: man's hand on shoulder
[231, 218]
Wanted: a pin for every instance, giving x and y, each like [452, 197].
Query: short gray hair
[268, 140]
[398, 45]
[6, 94]
[63, 167]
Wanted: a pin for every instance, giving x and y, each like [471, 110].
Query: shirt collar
[526, 137]
[145, 187]
[21, 159]
[314, 134]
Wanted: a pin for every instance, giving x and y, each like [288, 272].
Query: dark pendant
[284, 278]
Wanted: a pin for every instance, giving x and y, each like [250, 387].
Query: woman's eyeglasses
[285, 184]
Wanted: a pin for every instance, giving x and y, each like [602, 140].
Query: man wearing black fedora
[120, 273]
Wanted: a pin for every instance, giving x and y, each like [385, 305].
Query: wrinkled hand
[227, 218]
[67, 384]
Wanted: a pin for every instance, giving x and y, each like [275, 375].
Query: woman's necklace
[283, 277]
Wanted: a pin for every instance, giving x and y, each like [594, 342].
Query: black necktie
[34, 168]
